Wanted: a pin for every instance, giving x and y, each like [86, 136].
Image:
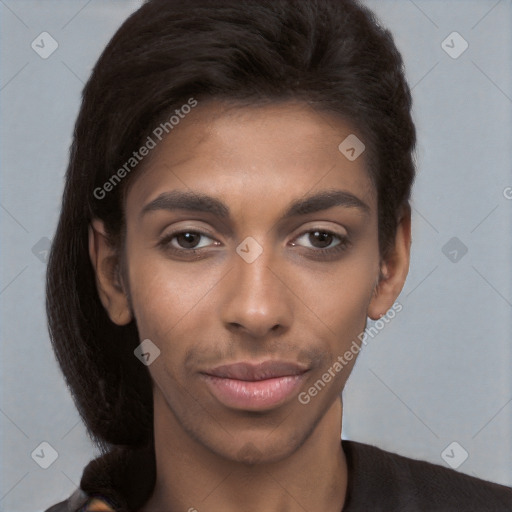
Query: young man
[236, 206]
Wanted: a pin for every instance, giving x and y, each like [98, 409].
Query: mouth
[247, 386]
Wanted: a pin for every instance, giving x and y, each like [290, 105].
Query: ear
[393, 269]
[110, 287]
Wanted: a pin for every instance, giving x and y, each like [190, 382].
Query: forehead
[271, 152]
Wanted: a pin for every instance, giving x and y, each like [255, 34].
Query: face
[251, 261]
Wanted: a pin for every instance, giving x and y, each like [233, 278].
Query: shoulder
[59, 507]
[80, 502]
[120, 479]
[395, 482]
[75, 502]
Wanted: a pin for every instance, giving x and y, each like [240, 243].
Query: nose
[256, 299]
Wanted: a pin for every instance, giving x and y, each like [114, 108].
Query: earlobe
[393, 270]
[105, 263]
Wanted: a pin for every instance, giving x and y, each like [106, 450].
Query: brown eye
[322, 245]
[188, 239]
[319, 239]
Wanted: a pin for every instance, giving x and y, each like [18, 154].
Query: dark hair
[330, 54]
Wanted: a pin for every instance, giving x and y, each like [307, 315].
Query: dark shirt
[377, 481]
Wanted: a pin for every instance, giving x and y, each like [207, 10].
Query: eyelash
[319, 253]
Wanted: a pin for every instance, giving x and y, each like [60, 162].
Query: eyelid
[184, 226]
[339, 230]
[172, 234]
[342, 239]
[187, 225]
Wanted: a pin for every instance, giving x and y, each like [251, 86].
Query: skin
[299, 301]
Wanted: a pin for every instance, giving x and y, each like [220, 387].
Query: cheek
[177, 300]
[340, 297]
[167, 296]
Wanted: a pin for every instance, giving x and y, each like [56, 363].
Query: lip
[257, 371]
[249, 386]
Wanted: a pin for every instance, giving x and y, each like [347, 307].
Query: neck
[192, 477]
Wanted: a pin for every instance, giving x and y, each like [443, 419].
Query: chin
[265, 449]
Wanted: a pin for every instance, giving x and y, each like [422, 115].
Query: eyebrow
[190, 201]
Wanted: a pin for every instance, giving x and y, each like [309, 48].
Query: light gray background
[439, 372]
